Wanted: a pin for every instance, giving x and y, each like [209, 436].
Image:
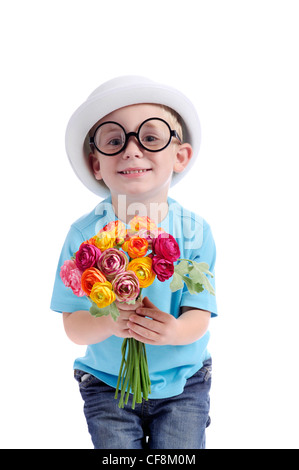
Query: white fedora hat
[114, 94]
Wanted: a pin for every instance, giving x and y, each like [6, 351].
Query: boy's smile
[136, 172]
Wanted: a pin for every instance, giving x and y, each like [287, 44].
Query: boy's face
[136, 171]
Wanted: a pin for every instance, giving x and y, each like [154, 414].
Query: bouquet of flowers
[116, 264]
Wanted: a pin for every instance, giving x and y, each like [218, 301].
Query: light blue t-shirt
[169, 366]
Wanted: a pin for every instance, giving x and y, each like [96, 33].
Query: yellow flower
[125, 245]
[102, 294]
[111, 235]
[104, 240]
[142, 267]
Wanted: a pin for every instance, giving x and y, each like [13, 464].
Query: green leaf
[130, 302]
[176, 283]
[114, 312]
[105, 311]
[194, 275]
[182, 268]
[193, 287]
[202, 267]
[95, 310]
[198, 274]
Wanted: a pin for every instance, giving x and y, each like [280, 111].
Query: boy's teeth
[133, 171]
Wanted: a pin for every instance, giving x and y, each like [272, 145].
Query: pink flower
[71, 277]
[165, 246]
[126, 286]
[87, 256]
[163, 268]
[112, 262]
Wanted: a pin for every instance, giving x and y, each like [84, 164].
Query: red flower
[87, 256]
[165, 246]
[163, 268]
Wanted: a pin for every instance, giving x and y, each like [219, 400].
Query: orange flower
[102, 294]
[138, 223]
[142, 267]
[91, 241]
[89, 277]
[136, 247]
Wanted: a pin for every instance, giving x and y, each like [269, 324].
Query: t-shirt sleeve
[206, 252]
[63, 298]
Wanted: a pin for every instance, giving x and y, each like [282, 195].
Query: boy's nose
[133, 148]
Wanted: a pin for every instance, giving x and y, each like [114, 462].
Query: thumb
[147, 303]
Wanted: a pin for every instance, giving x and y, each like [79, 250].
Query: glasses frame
[172, 133]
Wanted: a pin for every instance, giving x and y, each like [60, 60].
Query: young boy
[128, 143]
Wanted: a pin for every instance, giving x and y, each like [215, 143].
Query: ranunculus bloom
[87, 256]
[163, 268]
[136, 247]
[65, 270]
[90, 277]
[71, 277]
[105, 240]
[112, 262]
[142, 267]
[111, 235]
[102, 294]
[165, 246]
[91, 241]
[138, 222]
[126, 286]
[149, 235]
[117, 228]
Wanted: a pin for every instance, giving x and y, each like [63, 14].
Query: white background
[238, 61]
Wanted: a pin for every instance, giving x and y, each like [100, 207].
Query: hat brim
[99, 105]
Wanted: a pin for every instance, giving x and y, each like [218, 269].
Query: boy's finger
[151, 313]
[147, 303]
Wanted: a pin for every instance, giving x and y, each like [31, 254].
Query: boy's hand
[160, 329]
[120, 327]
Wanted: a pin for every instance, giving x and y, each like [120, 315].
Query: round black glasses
[154, 135]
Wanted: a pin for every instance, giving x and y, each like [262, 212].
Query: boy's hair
[175, 121]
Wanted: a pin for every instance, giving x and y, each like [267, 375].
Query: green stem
[133, 373]
[125, 384]
[122, 365]
[146, 369]
[144, 384]
[135, 369]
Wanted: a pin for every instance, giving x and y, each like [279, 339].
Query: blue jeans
[170, 423]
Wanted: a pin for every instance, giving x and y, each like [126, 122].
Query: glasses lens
[154, 134]
[110, 138]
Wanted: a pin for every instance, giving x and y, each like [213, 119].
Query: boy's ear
[95, 165]
[183, 157]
